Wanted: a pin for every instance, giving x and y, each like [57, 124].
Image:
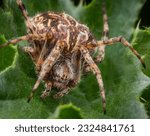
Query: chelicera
[61, 49]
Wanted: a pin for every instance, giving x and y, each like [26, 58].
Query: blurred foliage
[122, 74]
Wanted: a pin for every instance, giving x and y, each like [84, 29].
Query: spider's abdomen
[63, 27]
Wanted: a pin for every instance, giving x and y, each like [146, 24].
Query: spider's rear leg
[47, 65]
[124, 42]
[94, 68]
[101, 54]
[105, 22]
[46, 93]
[101, 49]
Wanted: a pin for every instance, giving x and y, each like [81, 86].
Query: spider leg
[94, 68]
[28, 37]
[28, 49]
[76, 64]
[47, 90]
[41, 56]
[101, 54]
[86, 69]
[31, 51]
[47, 65]
[101, 49]
[125, 43]
[25, 14]
[22, 38]
[62, 93]
[105, 22]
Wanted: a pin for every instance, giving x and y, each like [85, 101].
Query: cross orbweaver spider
[61, 49]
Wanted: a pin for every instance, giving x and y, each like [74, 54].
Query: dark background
[145, 15]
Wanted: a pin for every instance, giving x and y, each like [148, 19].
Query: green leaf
[68, 111]
[145, 99]
[121, 71]
[141, 43]
[6, 54]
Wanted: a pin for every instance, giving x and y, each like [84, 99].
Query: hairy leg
[101, 50]
[28, 49]
[22, 38]
[62, 93]
[105, 22]
[28, 37]
[124, 42]
[47, 65]
[94, 68]
[75, 67]
[46, 93]
[40, 58]
[63, 89]
[25, 14]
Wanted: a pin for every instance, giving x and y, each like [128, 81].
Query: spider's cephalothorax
[61, 49]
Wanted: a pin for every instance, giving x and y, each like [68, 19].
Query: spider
[61, 49]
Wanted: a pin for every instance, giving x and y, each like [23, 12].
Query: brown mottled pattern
[61, 49]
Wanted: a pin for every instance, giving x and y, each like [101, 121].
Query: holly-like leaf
[67, 111]
[8, 52]
[141, 43]
[121, 71]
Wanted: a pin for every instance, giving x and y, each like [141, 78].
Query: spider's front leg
[22, 38]
[28, 49]
[47, 65]
[46, 93]
[94, 68]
